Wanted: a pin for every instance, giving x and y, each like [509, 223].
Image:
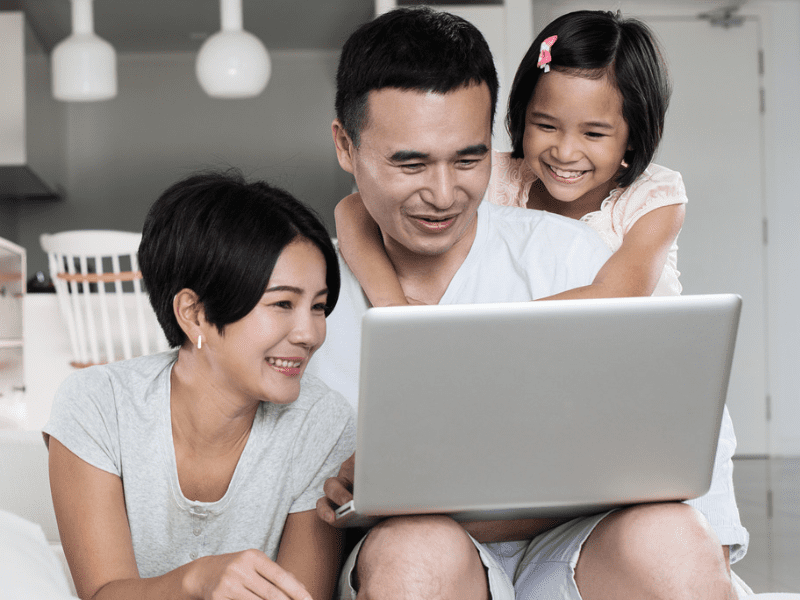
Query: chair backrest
[99, 288]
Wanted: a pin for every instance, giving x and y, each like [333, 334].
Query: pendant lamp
[232, 63]
[84, 65]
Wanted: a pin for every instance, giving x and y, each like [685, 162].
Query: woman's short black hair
[220, 236]
[597, 44]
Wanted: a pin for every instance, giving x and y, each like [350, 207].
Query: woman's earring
[199, 342]
[624, 164]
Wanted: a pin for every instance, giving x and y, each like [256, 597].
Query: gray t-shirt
[116, 417]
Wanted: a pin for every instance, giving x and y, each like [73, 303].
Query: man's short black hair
[597, 44]
[417, 49]
[220, 236]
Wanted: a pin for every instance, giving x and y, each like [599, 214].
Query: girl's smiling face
[575, 139]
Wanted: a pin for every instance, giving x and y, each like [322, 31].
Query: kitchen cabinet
[12, 381]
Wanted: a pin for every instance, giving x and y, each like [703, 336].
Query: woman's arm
[93, 525]
[361, 246]
[634, 269]
[312, 551]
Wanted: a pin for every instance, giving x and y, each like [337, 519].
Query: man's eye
[412, 166]
[468, 162]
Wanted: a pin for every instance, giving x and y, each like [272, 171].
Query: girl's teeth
[566, 174]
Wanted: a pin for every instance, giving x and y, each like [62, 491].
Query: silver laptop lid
[541, 408]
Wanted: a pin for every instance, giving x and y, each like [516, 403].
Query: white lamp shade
[84, 69]
[233, 64]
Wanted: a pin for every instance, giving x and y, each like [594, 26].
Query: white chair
[90, 268]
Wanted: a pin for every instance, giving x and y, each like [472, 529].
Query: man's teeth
[284, 364]
[566, 174]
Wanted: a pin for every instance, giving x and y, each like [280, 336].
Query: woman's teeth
[285, 364]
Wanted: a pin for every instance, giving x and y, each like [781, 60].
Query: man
[416, 91]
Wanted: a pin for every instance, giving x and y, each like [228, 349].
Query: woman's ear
[189, 313]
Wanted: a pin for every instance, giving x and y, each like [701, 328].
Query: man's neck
[425, 278]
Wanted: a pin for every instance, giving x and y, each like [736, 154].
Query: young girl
[195, 473]
[586, 114]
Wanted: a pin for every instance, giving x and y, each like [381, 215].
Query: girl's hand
[246, 575]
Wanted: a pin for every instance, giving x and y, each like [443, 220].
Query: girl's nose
[566, 149]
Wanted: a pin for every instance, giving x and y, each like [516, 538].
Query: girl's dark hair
[220, 236]
[596, 44]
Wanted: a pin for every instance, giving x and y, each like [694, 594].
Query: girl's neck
[540, 199]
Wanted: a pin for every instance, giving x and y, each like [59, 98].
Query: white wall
[122, 153]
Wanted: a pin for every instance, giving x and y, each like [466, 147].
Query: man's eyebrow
[475, 150]
[406, 155]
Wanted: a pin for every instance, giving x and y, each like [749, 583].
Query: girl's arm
[361, 246]
[312, 551]
[93, 525]
[634, 269]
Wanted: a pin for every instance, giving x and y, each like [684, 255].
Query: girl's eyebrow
[600, 124]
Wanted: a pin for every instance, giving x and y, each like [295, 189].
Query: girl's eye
[595, 134]
[545, 126]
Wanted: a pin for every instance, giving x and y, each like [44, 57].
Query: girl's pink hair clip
[544, 53]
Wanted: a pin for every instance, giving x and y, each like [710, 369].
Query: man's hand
[338, 490]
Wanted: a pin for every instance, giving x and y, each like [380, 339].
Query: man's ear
[189, 313]
[344, 146]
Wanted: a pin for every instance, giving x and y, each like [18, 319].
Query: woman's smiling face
[575, 139]
[263, 355]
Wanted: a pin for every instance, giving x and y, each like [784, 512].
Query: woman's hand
[242, 575]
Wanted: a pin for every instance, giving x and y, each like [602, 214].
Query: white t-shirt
[116, 417]
[517, 255]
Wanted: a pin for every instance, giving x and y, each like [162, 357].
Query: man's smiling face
[423, 165]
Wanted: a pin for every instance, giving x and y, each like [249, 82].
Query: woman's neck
[205, 416]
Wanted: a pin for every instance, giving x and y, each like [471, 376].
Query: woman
[194, 473]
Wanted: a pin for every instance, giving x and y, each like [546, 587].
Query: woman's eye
[320, 307]
[284, 304]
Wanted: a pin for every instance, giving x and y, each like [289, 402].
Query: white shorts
[543, 567]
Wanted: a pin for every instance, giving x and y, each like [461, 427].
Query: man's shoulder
[511, 220]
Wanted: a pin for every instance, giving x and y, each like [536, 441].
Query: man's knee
[665, 547]
[419, 556]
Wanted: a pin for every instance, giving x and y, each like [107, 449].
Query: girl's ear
[189, 313]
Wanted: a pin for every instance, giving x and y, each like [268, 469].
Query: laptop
[539, 409]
